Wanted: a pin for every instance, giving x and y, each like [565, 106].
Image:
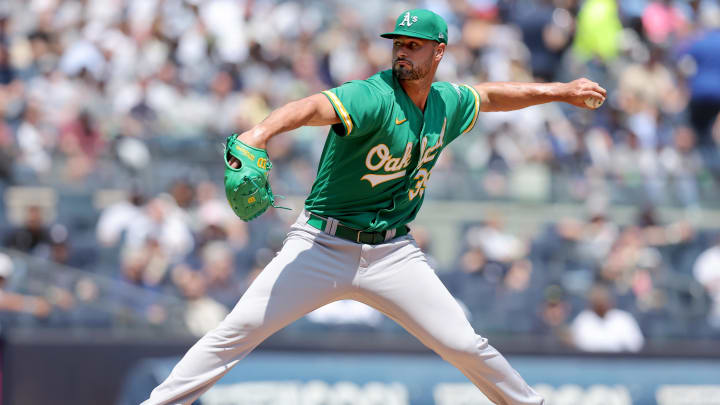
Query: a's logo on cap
[441, 35]
[407, 20]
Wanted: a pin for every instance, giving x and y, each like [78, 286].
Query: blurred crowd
[88, 82]
[592, 282]
[136, 94]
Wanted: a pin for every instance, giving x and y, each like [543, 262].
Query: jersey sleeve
[468, 108]
[359, 107]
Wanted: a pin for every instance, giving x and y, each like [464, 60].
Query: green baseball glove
[247, 188]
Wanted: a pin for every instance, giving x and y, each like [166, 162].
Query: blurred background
[584, 244]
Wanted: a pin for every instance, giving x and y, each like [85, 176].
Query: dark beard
[412, 73]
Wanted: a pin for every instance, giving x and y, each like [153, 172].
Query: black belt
[355, 235]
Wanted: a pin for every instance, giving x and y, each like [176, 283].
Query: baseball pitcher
[351, 241]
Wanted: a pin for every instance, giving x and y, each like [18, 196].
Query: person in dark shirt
[705, 84]
[7, 73]
[32, 234]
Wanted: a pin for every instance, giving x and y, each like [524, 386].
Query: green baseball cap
[420, 23]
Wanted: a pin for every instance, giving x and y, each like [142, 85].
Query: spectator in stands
[61, 251]
[499, 153]
[7, 71]
[662, 20]
[682, 163]
[116, 218]
[19, 303]
[707, 272]
[514, 296]
[476, 280]
[140, 267]
[145, 265]
[593, 238]
[33, 234]
[598, 27]
[183, 192]
[203, 312]
[133, 262]
[630, 254]
[705, 82]
[164, 222]
[224, 282]
[603, 328]
[649, 281]
[496, 243]
[224, 103]
[552, 318]
[7, 142]
[649, 83]
[35, 141]
[141, 117]
[546, 36]
[517, 278]
[213, 219]
[42, 57]
[472, 261]
[506, 268]
[82, 142]
[4, 20]
[657, 233]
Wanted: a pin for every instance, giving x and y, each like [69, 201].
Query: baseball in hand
[593, 102]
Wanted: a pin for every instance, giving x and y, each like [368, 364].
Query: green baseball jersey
[376, 163]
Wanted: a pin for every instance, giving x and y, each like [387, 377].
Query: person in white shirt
[603, 328]
[115, 219]
[707, 272]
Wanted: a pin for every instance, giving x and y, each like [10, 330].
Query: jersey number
[422, 177]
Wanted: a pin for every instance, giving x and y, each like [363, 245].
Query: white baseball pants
[315, 268]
